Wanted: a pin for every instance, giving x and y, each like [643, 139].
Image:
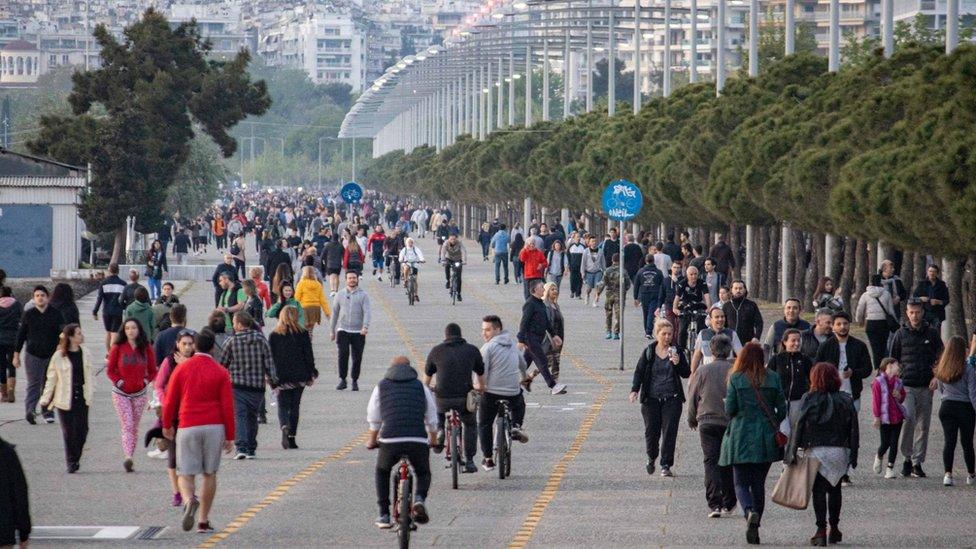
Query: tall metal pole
[500, 110]
[545, 66]
[753, 38]
[833, 54]
[621, 296]
[693, 66]
[511, 88]
[566, 70]
[353, 159]
[888, 27]
[589, 57]
[528, 86]
[952, 26]
[720, 52]
[611, 68]
[667, 48]
[489, 112]
[637, 57]
[790, 38]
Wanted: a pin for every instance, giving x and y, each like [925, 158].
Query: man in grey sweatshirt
[349, 325]
[706, 412]
[504, 369]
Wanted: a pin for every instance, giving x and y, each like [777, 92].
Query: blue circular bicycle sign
[351, 192]
[622, 200]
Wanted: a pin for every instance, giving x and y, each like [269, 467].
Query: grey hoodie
[350, 310]
[504, 365]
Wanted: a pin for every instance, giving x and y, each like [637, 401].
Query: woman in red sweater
[352, 258]
[131, 367]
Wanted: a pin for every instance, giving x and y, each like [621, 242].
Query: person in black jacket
[15, 520]
[934, 295]
[534, 329]
[917, 346]
[292, 371]
[657, 385]
[453, 362]
[110, 293]
[228, 268]
[128, 296]
[40, 328]
[63, 299]
[812, 339]
[742, 314]
[793, 368]
[649, 293]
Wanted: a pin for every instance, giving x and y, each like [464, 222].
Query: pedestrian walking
[68, 390]
[200, 398]
[293, 370]
[592, 266]
[353, 258]
[180, 351]
[612, 304]
[156, 267]
[231, 300]
[141, 311]
[129, 292]
[10, 312]
[484, 239]
[181, 246]
[311, 296]
[742, 314]
[40, 328]
[649, 293]
[226, 268]
[575, 249]
[657, 386]
[702, 352]
[706, 413]
[887, 396]
[794, 369]
[534, 265]
[957, 386]
[351, 314]
[755, 404]
[773, 342]
[286, 296]
[558, 261]
[550, 296]
[15, 519]
[63, 300]
[131, 368]
[253, 304]
[499, 244]
[874, 308]
[110, 294]
[535, 332]
[247, 357]
[237, 251]
[934, 295]
[515, 253]
[826, 429]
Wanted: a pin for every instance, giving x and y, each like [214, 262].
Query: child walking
[887, 395]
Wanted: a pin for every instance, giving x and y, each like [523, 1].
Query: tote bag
[795, 484]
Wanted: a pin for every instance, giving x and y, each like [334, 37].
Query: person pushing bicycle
[402, 417]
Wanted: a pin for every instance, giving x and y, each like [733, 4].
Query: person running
[613, 304]
[702, 353]
[181, 351]
[826, 428]
[957, 386]
[706, 413]
[504, 370]
[592, 265]
[69, 391]
[293, 369]
[649, 293]
[755, 405]
[40, 328]
[351, 315]
[917, 347]
[131, 368]
[484, 239]
[454, 362]
[247, 357]
[311, 297]
[657, 386]
[794, 369]
[141, 311]
[742, 314]
[402, 418]
[109, 294]
[887, 396]
[535, 329]
[10, 313]
[453, 255]
[200, 398]
[499, 244]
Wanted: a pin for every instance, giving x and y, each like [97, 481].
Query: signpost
[351, 193]
[622, 201]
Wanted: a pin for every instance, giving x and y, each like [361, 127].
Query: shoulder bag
[793, 488]
[890, 321]
[778, 435]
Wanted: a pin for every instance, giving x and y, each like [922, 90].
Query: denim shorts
[592, 279]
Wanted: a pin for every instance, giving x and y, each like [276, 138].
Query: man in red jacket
[199, 393]
[534, 265]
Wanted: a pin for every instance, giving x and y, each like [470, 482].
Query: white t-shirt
[845, 383]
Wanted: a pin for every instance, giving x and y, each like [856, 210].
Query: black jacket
[649, 284]
[557, 322]
[644, 374]
[40, 331]
[293, 358]
[10, 323]
[68, 310]
[744, 318]
[809, 344]
[858, 360]
[453, 361]
[333, 255]
[917, 351]
[633, 258]
[794, 373]
[825, 419]
[128, 296]
[939, 291]
[223, 268]
[15, 521]
[110, 293]
[535, 320]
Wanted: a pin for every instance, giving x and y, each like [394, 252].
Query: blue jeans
[555, 279]
[501, 259]
[649, 307]
[750, 486]
[592, 279]
[246, 405]
[155, 288]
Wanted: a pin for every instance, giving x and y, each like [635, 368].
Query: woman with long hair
[755, 405]
[155, 267]
[352, 258]
[873, 308]
[131, 368]
[283, 275]
[182, 351]
[286, 297]
[518, 242]
[558, 261]
[254, 306]
[484, 238]
[293, 369]
[311, 297]
[826, 428]
[69, 389]
[550, 296]
[63, 299]
[956, 375]
[827, 296]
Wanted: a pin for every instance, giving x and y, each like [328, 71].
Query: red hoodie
[199, 393]
[378, 238]
[534, 263]
[130, 370]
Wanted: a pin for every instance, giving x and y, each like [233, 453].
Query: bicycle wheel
[501, 449]
[404, 522]
[508, 448]
[455, 456]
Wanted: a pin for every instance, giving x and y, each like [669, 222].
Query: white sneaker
[559, 389]
[890, 473]
[947, 480]
[877, 465]
[728, 512]
[595, 304]
[715, 513]
[971, 480]
[156, 453]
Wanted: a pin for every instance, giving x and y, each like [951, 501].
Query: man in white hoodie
[504, 369]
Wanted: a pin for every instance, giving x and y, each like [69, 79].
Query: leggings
[889, 441]
[7, 370]
[958, 422]
[129, 410]
[826, 499]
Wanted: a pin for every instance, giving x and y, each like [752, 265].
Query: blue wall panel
[25, 240]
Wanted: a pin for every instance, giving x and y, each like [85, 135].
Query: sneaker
[488, 464]
[666, 472]
[205, 528]
[917, 472]
[527, 384]
[73, 467]
[752, 528]
[715, 513]
[420, 512]
[947, 480]
[971, 480]
[31, 418]
[595, 304]
[906, 469]
[649, 467]
[342, 385]
[728, 512]
[616, 336]
[177, 499]
[355, 385]
[379, 279]
[890, 472]
[558, 389]
[240, 456]
[48, 419]
[250, 455]
[156, 453]
[846, 481]
[519, 434]
[383, 522]
[608, 336]
[648, 336]
[877, 464]
[190, 514]
[127, 465]
[586, 300]
[470, 467]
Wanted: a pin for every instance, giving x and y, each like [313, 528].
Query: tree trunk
[846, 282]
[860, 269]
[908, 271]
[118, 246]
[774, 264]
[734, 244]
[918, 269]
[872, 257]
[799, 253]
[836, 256]
[969, 291]
[956, 310]
[813, 269]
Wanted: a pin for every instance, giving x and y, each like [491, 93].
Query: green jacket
[276, 308]
[143, 313]
[749, 437]
[611, 283]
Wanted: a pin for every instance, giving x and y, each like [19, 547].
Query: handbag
[778, 436]
[473, 400]
[793, 488]
[890, 321]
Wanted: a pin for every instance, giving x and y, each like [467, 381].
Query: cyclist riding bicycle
[402, 420]
[453, 362]
[411, 256]
[393, 244]
[691, 300]
[504, 369]
[452, 254]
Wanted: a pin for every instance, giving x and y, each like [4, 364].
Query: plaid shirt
[247, 356]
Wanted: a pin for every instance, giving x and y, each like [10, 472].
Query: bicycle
[402, 481]
[695, 325]
[455, 281]
[503, 440]
[455, 444]
[391, 271]
[410, 281]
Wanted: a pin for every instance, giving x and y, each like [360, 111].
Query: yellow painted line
[285, 486]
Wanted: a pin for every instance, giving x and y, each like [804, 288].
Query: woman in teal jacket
[749, 445]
